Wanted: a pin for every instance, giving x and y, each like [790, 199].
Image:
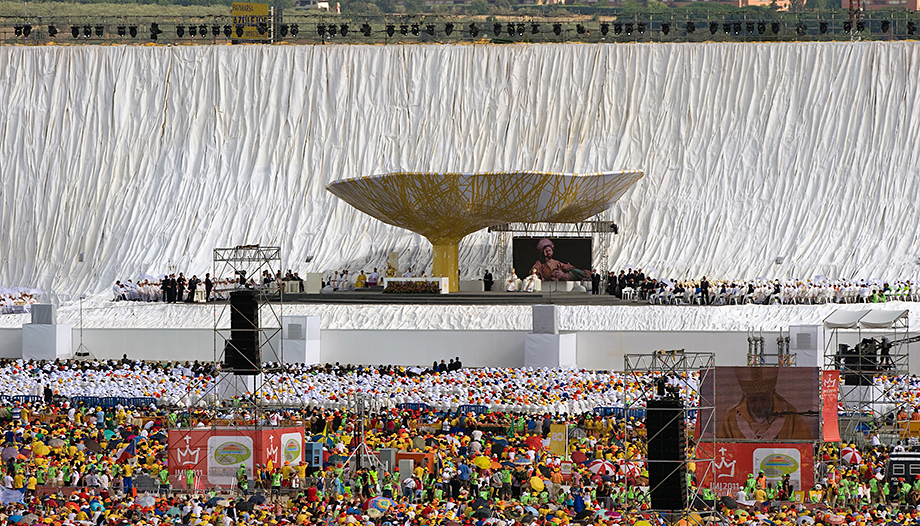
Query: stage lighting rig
[404, 30]
[822, 27]
[448, 28]
[605, 28]
[203, 30]
[726, 28]
[629, 30]
[180, 31]
[691, 28]
[262, 28]
[430, 30]
[391, 29]
[17, 30]
[228, 31]
[132, 31]
[122, 31]
[100, 30]
[886, 25]
[497, 29]
[911, 27]
[557, 29]
[239, 31]
[87, 31]
[665, 28]
[860, 26]
[343, 30]
[761, 28]
[474, 31]
[366, 29]
[416, 30]
[640, 27]
[775, 28]
[294, 30]
[749, 27]
[520, 29]
[321, 30]
[215, 30]
[52, 31]
[510, 29]
[331, 31]
[800, 28]
[534, 28]
[192, 31]
[713, 27]
[736, 28]
[580, 29]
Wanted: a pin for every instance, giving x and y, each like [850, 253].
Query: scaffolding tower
[662, 374]
[869, 348]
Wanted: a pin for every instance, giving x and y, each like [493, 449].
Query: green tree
[414, 7]
[479, 7]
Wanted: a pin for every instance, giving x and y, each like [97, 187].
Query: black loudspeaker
[241, 353]
[667, 468]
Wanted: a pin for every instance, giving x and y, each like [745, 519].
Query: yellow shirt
[18, 481]
[32, 483]
[128, 470]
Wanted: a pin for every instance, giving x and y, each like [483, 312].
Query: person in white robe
[531, 282]
[512, 284]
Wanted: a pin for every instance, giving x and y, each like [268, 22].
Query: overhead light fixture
[239, 31]
[26, 30]
[122, 31]
[534, 28]
[262, 28]
[822, 27]
[629, 29]
[366, 29]
[761, 28]
[404, 30]
[321, 30]
[691, 27]
[215, 30]
[294, 30]
[665, 28]
[17, 30]
[557, 29]
[474, 31]
[192, 31]
[228, 31]
[331, 30]
[52, 31]
[736, 28]
[749, 27]
[283, 30]
[774, 26]
[75, 31]
[87, 31]
[430, 30]
[100, 30]
[497, 29]
[641, 28]
[617, 28]
[448, 28]
[860, 26]
[203, 30]
[580, 29]
[520, 28]
[155, 31]
[416, 31]
[180, 31]
[726, 28]
[132, 31]
[800, 28]
[605, 28]
[713, 27]
[510, 29]
[343, 29]
[886, 25]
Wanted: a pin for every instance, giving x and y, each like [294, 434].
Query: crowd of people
[18, 300]
[634, 284]
[173, 288]
[68, 463]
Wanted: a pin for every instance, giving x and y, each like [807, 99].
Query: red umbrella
[602, 467]
[578, 456]
[534, 442]
[850, 456]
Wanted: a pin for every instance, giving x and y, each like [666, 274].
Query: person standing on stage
[487, 281]
[208, 286]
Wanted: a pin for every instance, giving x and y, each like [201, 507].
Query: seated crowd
[18, 300]
[77, 464]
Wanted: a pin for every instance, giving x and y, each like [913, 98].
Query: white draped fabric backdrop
[144, 159]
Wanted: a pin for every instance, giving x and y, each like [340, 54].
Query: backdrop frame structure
[689, 370]
[868, 407]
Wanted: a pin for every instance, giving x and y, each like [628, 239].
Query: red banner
[830, 389]
[215, 455]
[732, 462]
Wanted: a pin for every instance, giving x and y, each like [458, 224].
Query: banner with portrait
[763, 404]
[830, 390]
[732, 462]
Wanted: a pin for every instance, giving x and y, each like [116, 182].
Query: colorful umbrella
[850, 456]
[579, 456]
[482, 462]
[602, 467]
[537, 483]
[381, 504]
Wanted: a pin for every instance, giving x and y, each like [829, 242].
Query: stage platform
[375, 297]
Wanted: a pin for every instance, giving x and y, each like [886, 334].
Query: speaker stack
[242, 355]
[667, 465]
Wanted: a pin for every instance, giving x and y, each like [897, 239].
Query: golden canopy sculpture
[445, 207]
